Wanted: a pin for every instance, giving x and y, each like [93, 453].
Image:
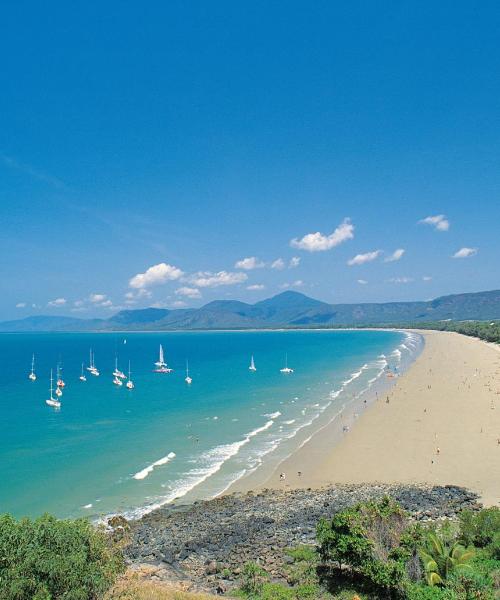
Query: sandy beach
[439, 424]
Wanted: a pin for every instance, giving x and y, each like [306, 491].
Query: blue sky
[147, 149]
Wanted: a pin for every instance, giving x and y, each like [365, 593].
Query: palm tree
[440, 559]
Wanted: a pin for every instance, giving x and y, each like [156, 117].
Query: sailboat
[90, 367]
[32, 375]
[188, 379]
[252, 366]
[52, 401]
[117, 373]
[286, 369]
[60, 380]
[93, 369]
[82, 376]
[117, 381]
[160, 364]
[130, 383]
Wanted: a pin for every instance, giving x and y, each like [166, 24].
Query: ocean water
[111, 449]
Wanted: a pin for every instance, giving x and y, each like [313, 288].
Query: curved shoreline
[441, 426]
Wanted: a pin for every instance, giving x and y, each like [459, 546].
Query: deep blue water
[81, 460]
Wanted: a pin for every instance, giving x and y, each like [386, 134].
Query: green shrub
[303, 570]
[374, 539]
[254, 577]
[481, 529]
[49, 559]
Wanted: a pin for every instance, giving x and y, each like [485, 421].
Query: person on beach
[282, 477]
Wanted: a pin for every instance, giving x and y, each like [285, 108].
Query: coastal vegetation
[489, 331]
[373, 550]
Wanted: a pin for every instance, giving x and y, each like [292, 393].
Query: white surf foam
[150, 468]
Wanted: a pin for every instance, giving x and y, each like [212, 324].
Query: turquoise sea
[111, 449]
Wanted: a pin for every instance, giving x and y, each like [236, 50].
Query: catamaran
[161, 365]
[117, 373]
[252, 366]
[82, 376]
[130, 383]
[117, 381]
[32, 375]
[188, 379]
[52, 401]
[286, 369]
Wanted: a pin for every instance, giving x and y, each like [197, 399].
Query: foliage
[254, 577]
[441, 558]
[374, 539]
[303, 570]
[134, 589]
[488, 331]
[481, 529]
[49, 559]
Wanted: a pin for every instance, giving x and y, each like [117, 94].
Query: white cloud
[317, 242]
[362, 281]
[256, 287]
[400, 280]
[129, 295]
[78, 303]
[57, 302]
[250, 263]
[278, 264]
[21, 305]
[155, 275]
[179, 304]
[294, 262]
[396, 255]
[297, 283]
[465, 252]
[188, 292]
[97, 298]
[361, 259]
[439, 222]
[106, 303]
[426, 278]
[208, 279]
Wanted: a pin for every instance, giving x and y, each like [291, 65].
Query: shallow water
[112, 449]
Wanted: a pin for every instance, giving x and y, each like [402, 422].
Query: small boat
[161, 365]
[93, 369]
[52, 401]
[188, 379]
[117, 381]
[82, 376]
[286, 369]
[252, 366]
[60, 380]
[91, 360]
[130, 384]
[117, 372]
[32, 375]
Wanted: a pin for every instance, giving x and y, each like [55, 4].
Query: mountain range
[288, 309]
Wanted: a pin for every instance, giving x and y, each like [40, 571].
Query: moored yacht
[32, 375]
[286, 369]
[252, 366]
[130, 384]
[82, 376]
[54, 402]
[188, 379]
[117, 372]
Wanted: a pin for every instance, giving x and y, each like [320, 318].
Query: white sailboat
[52, 401]
[82, 376]
[117, 381]
[160, 364]
[130, 384]
[32, 375]
[60, 380]
[252, 366]
[93, 369]
[90, 367]
[117, 372]
[188, 379]
[286, 369]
